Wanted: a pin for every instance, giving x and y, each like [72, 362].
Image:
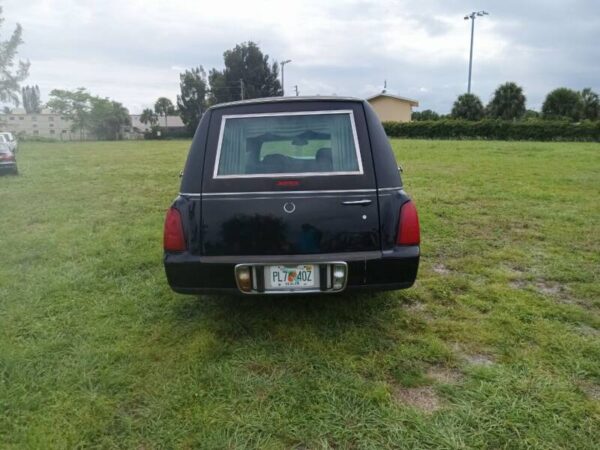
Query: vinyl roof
[313, 98]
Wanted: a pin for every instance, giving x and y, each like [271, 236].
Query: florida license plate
[302, 276]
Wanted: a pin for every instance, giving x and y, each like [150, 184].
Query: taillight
[408, 227]
[174, 239]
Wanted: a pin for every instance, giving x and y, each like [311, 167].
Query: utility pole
[242, 89]
[472, 16]
[283, 63]
[296, 88]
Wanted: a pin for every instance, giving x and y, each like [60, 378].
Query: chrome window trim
[224, 118]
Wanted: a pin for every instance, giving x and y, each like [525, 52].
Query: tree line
[509, 103]
[247, 74]
[101, 117]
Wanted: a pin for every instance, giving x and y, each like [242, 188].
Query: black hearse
[291, 195]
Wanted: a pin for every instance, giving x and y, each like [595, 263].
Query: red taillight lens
[408, 229]
[174, 239]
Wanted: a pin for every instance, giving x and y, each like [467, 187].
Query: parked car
[8, 162]
[8, 138]
[291, 195]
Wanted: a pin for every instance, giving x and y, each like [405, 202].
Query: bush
[529, 130]
[428, 114]
[30, 138]
[167, 133]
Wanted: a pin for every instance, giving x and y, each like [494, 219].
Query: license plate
[302, 276]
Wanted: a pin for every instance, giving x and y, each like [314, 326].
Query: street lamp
[472, 16]
[283, 63]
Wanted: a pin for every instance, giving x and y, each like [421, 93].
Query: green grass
[497, 345]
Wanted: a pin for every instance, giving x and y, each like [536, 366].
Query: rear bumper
[8, 166]
[392, 269]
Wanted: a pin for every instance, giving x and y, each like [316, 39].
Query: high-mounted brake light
[173, 239]
[287, 183]
[408, 228]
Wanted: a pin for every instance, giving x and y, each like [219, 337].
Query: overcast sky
[133, 50]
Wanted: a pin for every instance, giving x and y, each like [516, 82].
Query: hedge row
[529, 130]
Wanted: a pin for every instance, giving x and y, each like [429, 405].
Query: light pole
[472, 16]
[283, 63]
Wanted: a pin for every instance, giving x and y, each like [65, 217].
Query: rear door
[289, 178]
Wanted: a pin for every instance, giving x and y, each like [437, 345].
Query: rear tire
[15, 171]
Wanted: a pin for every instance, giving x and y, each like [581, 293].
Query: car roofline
[312, 98]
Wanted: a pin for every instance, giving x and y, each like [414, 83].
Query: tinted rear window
[301, 143]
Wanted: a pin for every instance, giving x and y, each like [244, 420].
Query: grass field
[497, 345]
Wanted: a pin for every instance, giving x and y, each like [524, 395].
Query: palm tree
[508, 102]
[563, 103]
[164, 107]
[148, 117]
[468, 107]
[591, 104]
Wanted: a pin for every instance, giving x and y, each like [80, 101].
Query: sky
[133, 50]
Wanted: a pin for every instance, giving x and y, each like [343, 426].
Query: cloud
[133, 50]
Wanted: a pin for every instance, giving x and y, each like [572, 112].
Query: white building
[52, 126]
[173, 122]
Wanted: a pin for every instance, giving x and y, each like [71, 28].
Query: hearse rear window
[300, 143]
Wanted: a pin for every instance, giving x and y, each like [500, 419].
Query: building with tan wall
[392, 107]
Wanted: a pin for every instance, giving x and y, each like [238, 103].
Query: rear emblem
[289, 207]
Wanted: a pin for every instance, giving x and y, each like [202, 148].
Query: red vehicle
[8, 162]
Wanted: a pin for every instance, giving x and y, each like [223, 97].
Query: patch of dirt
[444, 375]
[516, 270]
[518, 284]
[441, 269]
[556, 290]
[423, 398]
[300, 447]
[260, 368]
[416, 306]
[549, 288]
[591, 390]
[586, 330]
[479, 359]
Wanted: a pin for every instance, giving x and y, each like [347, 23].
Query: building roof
[397, 97]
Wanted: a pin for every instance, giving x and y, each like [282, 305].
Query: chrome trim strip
[224, 118]
[324, 191]
[294, 197]
[363, 202]
[318, 258]
[399, 188]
